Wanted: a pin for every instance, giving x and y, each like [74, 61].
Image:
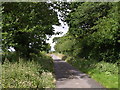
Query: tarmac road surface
[69, 77]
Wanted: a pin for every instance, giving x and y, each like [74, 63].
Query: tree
[94, 27]
[25, 26]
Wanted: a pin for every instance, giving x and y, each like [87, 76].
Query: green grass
[106, 74]
[28, 74]
[103, 72]
[109, 81]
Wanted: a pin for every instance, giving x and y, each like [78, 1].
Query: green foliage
[25, 26]
[55, 39]
[28, 74]
[107, 67]
[93, 32]
[65, 45]
[94, 36]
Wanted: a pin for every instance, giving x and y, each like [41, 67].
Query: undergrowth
[35, 73]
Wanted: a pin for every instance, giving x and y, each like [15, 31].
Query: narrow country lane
[69, 77]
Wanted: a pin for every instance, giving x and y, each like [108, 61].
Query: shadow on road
[64, 70]
[69, 77]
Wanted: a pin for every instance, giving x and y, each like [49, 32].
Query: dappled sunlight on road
[69, 77]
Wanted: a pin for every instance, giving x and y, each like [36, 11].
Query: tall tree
[25, 26]
[95, 28]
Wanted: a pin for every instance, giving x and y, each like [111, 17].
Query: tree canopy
[25, 26]
[94, 30]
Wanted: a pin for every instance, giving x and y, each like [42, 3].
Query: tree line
[93, 31]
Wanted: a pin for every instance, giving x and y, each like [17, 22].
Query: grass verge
[36, 73]
[103, 72]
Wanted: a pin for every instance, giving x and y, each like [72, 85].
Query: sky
[62, 28]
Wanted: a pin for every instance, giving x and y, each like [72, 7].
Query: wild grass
[103, 72]
[36, 73]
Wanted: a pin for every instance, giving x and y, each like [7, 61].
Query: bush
[28, 73]
[107, 67]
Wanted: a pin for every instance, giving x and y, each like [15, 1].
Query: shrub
[28, 73]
